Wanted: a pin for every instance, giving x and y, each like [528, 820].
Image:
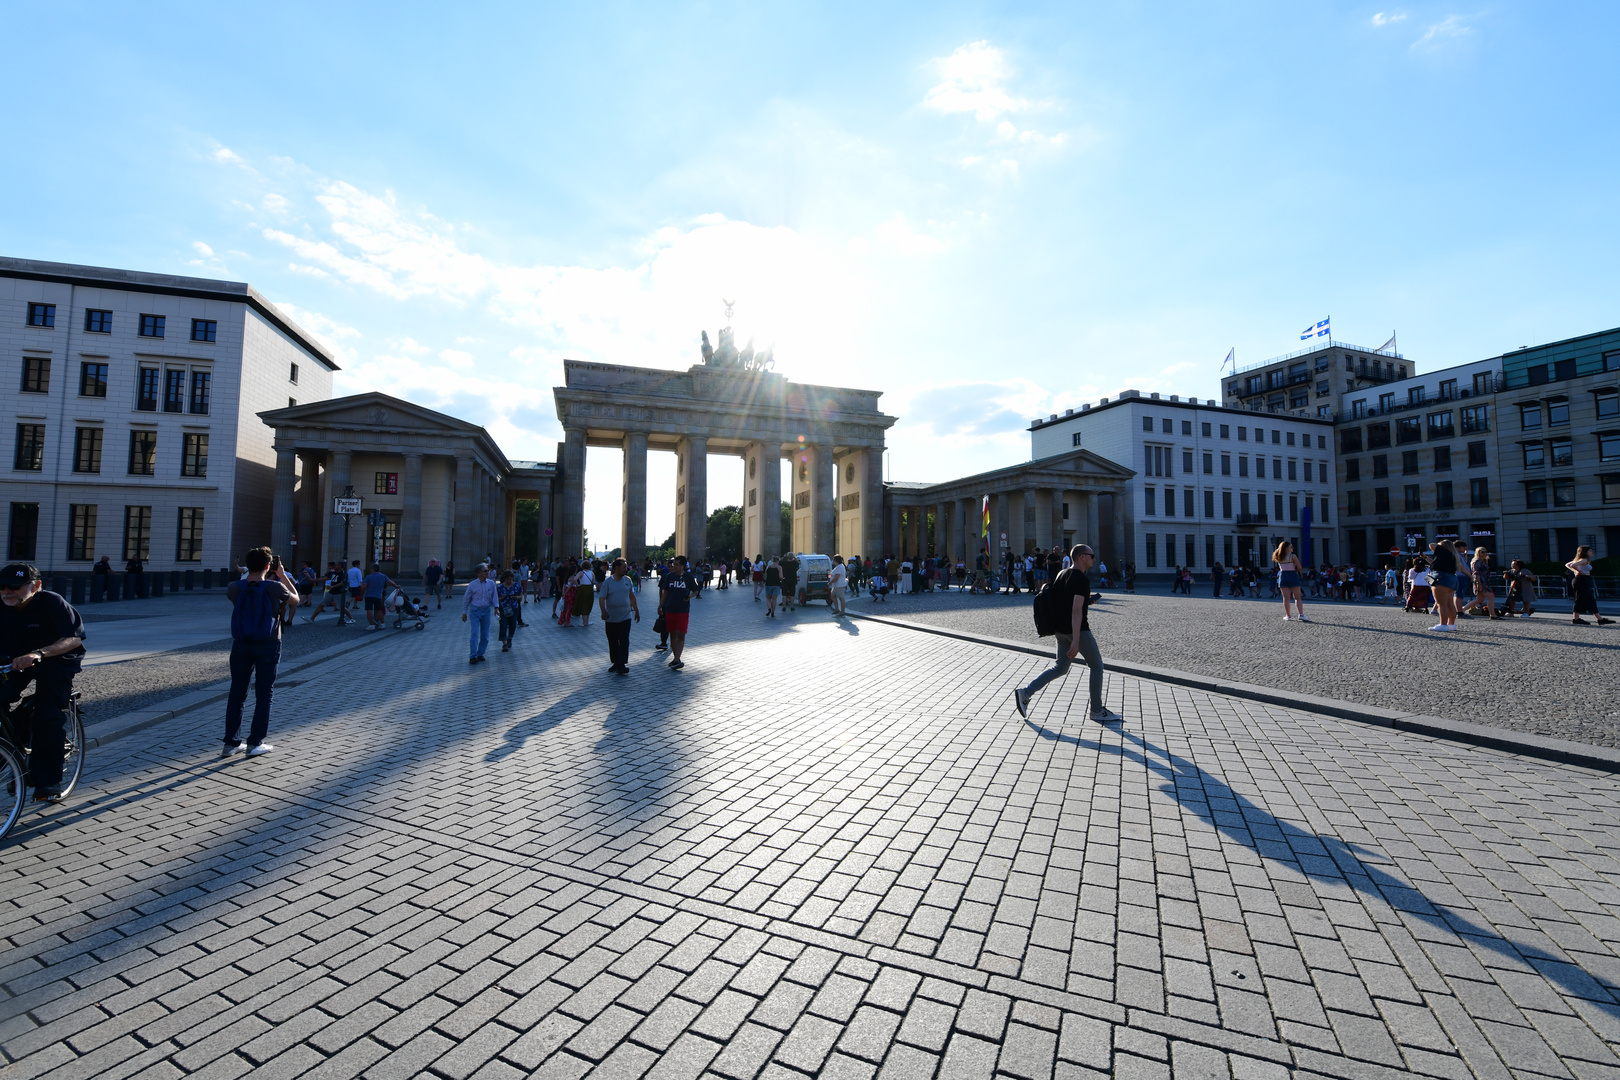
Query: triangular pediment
[370, 410]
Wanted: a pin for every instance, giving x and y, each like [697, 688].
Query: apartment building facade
[1311, 381]
[1558, 444]
[134, 417]
[1212, 483]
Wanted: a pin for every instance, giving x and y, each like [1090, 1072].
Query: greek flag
[1320, 329]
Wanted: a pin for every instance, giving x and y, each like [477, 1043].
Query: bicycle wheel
[13, 788]
[73, 759]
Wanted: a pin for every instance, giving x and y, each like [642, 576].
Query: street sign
[341, 506]
[548, 532]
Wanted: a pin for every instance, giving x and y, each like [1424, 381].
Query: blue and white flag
[1321, 329]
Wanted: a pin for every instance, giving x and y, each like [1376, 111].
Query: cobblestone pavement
[823, 849]
[1541, 675]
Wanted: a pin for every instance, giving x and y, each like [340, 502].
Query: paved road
[1540, 675]
[820, 850]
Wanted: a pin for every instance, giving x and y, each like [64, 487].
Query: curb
[1526, 744]
[106, 731]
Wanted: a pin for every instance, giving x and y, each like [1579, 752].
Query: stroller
[407, 610]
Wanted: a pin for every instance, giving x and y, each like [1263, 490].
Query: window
[1442, 459]
[1187, 508]
[1380, 500]
[292, 402]
[87, 450]
[1563, 453]
[1209, 464]
[174, 390]
[1209, 504]
[1276, 437]
[1448, 390]
[1186, 427]
[1244, 505]
[1409, 463]
[1608, 404]
[1564, 369]
[1358, 409]
[1226, 430]
[1254, 385]
[41, 314]
[92, 380]
[1323, 503]
[1414, 496]
[1169, 502]
[36, 377]
[1147, 423]
[1479, 491]
[24, 532]
[387, 483]
[1243, 434]
[1440, 425]
[1277, 506]
[1353, 504]
[1386, 403]
[1226, 464]
[1074, 440]
[81, 532]
[1152, 549]
[1380, 466]
[1535, 494]
[1537, 374]
[1609, 481]
[1226, 504]
[1557, 411]
[1186, 463]
[189, 548]
[152, 325]
[194, 454]
[1408, 429]
[143, 453]
[1352, 469]
[292, 376]
[1169, 426]
[1563, 492]
[1476, 418]
[1243, 465]
[1350, 441]
[97, 322]
[1484, 383]
[1535, 454]
[146, 398]
[1291, 439]
[1299, 400]
[1206, 430]
[1530, 416]
[1260, 466]
[204, 329]
[1414, 395]
[137, 533]
[1608, 445]
[1292, 467]
[1150, 501]
[30, 448]
[201, 385]
[1293, 507]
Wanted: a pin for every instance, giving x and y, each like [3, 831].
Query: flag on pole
[987, 524]
[1388, 346]
[1231, 358]
[1320, 329]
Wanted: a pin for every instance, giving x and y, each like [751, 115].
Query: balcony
[1252, 521]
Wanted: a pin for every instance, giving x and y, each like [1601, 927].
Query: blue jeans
[477, 630]
[256, 660]
[509, 624]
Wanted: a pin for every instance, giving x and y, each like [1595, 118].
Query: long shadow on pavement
[1328, 858]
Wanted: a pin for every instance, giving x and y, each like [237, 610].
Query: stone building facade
[134, 414]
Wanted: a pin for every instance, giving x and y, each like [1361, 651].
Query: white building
[1212, 484]
[135, 414]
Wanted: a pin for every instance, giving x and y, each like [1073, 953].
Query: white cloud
[275, 204]
[973, 80]
[457, 358]
[226, 154]
[1388, 18]
[202, 249]
[1447, 29]
[329, 332]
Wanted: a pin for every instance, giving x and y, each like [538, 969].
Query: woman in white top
[1290, 572]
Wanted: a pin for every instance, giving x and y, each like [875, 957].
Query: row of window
[87, 444]
[1479, 494]
[1560, 450]
[1189, 504]
[1298, 373]
[1478, 456]
[23, 533]
[1410, 429]
[1606, 401]
[1236, 550]
[1416, 396]
[1562, 491]
[1563, 370]
[178, 389]
[1168, 427]
[101, 322]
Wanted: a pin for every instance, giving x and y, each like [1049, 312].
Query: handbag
[658, 624]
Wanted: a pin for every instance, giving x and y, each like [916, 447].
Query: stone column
[968, 511]
[770, 500]
[1044, 502]
[1117, 532]
[1054, 517]
[463, 543]
[694, 477]
[1093, 537]
[281, 509]
[545, 544]
[337, 481]
[410, 518]
[571, 494]
[891, 528]
[872, 503]
[309, 515]
[633, 515]
[942, 531]
[823, 501]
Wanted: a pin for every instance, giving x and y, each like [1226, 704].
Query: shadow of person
[1324, 857]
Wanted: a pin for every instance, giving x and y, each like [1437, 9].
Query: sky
[987, 212]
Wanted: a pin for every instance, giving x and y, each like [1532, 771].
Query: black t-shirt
[1445, 560]
[773, 576]
[431, 576]
[1069, 584]
[44, 619]
[678, 589]
[790, 573]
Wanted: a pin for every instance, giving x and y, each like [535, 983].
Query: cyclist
[44, 637]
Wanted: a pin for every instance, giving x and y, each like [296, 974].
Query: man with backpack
[257, 604]
[1060, 611]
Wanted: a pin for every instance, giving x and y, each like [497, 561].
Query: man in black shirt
[1074, 589]
[44, 637]
[675, 592]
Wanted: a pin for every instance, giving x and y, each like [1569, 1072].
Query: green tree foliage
[725, 531]
[787, 529]
[528, 524]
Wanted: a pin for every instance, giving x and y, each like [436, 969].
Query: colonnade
[958, 531]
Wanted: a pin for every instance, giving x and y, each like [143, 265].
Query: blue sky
[987, 212]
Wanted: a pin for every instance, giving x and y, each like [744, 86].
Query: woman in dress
[1289, 569]
[570, 593]
[1483, 593]
[1585, 593]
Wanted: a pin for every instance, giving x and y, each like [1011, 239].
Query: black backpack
[1051, 617]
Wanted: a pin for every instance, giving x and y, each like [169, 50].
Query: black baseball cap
[17, 575]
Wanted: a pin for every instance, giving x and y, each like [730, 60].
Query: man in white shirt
[837, 581]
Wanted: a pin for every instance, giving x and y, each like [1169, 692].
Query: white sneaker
[1288, 618]
[230, 749]
[1105, 716]
[262, 748]
[1303, 619]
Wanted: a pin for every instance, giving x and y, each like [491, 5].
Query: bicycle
[16, 726]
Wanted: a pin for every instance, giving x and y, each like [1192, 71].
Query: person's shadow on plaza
[1324, 857]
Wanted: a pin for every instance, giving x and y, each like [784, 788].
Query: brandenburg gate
[729, 404]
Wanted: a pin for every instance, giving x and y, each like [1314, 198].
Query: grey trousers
[1093, 658]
